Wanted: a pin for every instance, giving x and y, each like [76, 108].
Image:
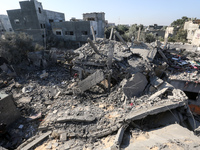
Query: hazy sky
[146, 12]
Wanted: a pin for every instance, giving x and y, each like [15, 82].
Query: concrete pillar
[120, 38]
[138, 38]
[94, 36]
[93, 46]
[111, 33]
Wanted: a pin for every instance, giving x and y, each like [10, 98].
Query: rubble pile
[103, 95]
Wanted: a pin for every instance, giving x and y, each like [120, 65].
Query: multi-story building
[5, 25]
[34, 20]
[78, 30]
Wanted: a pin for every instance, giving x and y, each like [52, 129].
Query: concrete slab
[186, 85]
[135, 85]
[8, 111]
[142, 113]
[91, 80]
[172, 137]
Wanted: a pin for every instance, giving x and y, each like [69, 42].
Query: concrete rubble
[103, 95]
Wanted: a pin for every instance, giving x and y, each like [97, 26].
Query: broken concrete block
[63, 137]
[135, 85]
[25, 100]
[36, 141]
[155, 81]
[151, 55]
[163, 55]
[8, 112]
[27, 89]
[157, 94]
[91, 80]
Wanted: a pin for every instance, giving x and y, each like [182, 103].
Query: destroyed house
[34, 20]
[156, 29]
[78, 30]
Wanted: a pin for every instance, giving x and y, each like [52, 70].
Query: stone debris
[103, 95]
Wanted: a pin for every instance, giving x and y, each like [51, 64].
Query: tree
[180, 22]
[150, 38]
[15, 46]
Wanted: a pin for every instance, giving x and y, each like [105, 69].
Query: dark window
[16, 21]
[10, 29]
[41, 26]
[69, 33]
[58, 33]
[51, 20]
[60, 20]
[39, 10]
[91, 19]
[44, 25]
[84, 33]
[95, 32]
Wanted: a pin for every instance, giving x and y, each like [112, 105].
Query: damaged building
[78, 30]
[40, 23]
[34, 20]
[5, 25]
[193, 32]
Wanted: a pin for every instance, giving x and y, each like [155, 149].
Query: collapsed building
[103, 95]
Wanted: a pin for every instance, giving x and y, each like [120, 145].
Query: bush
[150, 38]
[15, 46]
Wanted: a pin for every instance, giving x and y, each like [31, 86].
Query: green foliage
[160, 38]
[15, 46]
[180, 22]
[181, 35]
[150, 38]
[122, 29]
[108, 31]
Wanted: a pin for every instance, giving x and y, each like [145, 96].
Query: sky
[146, 12]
